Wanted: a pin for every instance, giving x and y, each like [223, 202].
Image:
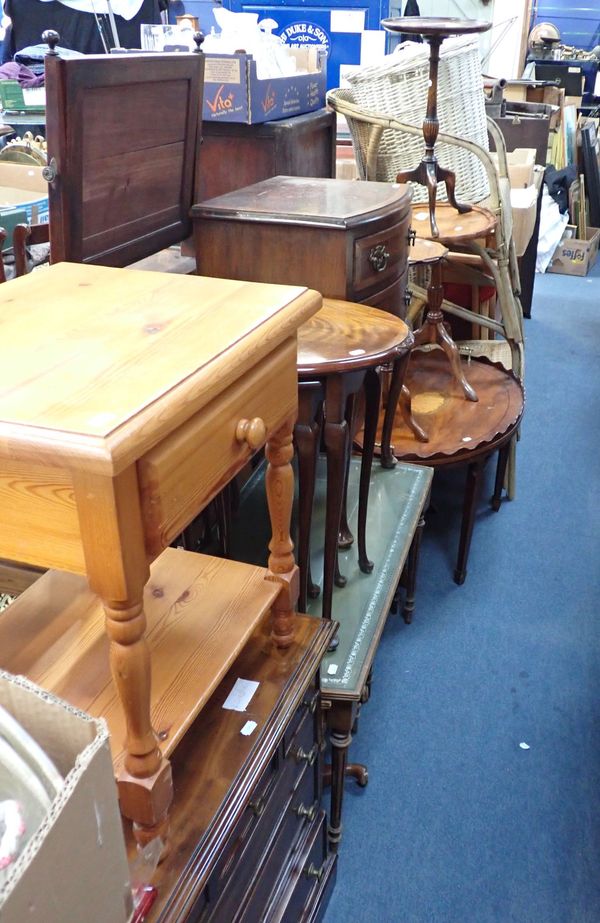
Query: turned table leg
[372, 386]
[113, 541]
[341, 720]
[472, 491]
[339, 757]
[433, 330]
[503, 454]
[346, 538]
[337, 444]
[410, 572]
[279, 480]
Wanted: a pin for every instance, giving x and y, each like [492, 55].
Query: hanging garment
[411, 9]
[77, 30]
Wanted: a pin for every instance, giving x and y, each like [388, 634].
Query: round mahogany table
[460, 432]
[340, 350]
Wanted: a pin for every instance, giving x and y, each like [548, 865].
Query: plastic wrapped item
[243, 31]
[29, 781]
[552, 226]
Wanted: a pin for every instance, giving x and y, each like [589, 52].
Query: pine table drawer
[185, 471]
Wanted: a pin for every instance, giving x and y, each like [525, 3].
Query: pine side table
[129, 399]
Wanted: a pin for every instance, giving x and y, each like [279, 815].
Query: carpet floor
[482, 735]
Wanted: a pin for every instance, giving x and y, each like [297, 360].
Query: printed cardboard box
[74, 868]
[575, 257]
[233, 92]
[24, 187]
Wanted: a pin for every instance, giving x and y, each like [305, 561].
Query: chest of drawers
[344, 238]
[249, 833]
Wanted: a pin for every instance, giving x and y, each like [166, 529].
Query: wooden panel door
[123, 132]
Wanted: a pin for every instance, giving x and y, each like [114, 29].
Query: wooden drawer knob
[252, 432]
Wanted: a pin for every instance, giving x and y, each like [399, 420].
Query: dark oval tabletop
[433, 25]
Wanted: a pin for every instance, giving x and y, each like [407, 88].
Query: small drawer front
[283, 810]
[288, 778]
[304, 715]
[299, 813]
[237, 841]
[391, 299]
[181, 475]
[380, 258]
[311, 867]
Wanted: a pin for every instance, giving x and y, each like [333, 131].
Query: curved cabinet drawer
[380, 258]
[182, 474]
[390, 298]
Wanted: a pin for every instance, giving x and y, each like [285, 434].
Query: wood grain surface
[200, 612]
[187, 469]
[329, 202]
[454, 228]
[426, 251]
[348, 335]
[40, 524]
[117, 202]
[458, 429]
[216, 768]
[105, 362]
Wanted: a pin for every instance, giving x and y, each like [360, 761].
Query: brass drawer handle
[378, 257]
[311, 871]
[252, 432]
[310, 757]
[258, 806]
[310, 813]
[412, 237]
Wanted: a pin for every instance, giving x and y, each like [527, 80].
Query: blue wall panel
[578, 23]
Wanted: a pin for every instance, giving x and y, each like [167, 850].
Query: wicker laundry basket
[398, 87]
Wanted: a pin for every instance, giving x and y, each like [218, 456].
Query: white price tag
[240, 695]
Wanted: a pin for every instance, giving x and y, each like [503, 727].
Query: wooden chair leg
[472, 491]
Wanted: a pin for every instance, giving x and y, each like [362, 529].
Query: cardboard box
[575, 257]
[524, 207]
[13, 98]
[23, 186]
[233, 92]
[521, 163]
[521, 91]
[74, 869]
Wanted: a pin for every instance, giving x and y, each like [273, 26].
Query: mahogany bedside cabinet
[347, 240]
[128, 400]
